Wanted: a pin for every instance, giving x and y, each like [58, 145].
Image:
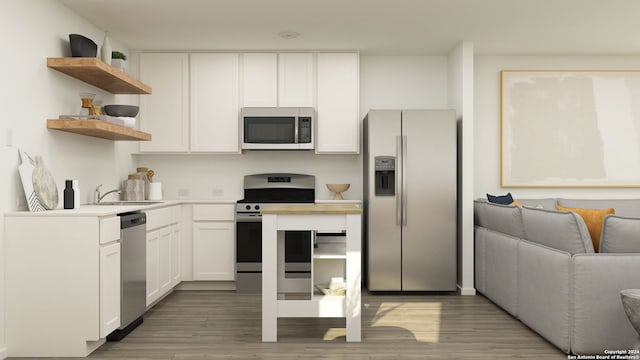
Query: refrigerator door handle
[399, 156]
[404, 180]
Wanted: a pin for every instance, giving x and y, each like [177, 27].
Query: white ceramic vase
[106, 50]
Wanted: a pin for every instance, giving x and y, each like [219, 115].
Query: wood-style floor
[194, 325]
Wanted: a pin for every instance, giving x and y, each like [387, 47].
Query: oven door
[249, 253]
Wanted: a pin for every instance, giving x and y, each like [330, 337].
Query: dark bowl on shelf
[82, 46]
[120, 110]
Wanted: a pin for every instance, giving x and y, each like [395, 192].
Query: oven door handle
[248, 218]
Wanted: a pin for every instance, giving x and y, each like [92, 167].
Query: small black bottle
[69, 194]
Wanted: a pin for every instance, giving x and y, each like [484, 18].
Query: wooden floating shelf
[97, 73]
[98, 128]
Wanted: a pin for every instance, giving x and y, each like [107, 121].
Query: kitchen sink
[146, 202]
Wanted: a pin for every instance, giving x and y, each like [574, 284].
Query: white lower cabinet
[176, 254]
[153, 260]
[62, 283]
[163, 252]
[214, 251]
[214, 242]
[164, 260]
[109, 288]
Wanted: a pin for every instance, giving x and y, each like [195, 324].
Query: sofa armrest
[543, 291]
[599, 321]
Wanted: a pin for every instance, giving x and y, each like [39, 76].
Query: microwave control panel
[304, 129]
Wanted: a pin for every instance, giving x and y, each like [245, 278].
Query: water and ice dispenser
[385, 175]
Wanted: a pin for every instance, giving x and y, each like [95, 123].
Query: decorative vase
[106, 50]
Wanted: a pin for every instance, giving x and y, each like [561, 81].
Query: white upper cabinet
[165, 113]
[295, 80]
[214, 103]
[259, 79]
[337, 103]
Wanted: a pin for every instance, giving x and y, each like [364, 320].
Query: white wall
[399, 82]
[487, 120]
[403, 82]
[31, 31]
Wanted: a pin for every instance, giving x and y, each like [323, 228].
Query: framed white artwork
[570, 128]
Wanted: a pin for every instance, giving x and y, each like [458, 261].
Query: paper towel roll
[155, 191]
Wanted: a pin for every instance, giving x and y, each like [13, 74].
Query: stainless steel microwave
[277, 128]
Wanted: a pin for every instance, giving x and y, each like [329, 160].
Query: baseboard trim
[3, 353]
[206, 285]
[466, 291]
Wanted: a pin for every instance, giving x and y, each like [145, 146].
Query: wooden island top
[311, 209]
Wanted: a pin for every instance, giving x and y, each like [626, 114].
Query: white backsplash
[221, 176]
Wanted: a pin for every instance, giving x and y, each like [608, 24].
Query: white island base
[323, 218]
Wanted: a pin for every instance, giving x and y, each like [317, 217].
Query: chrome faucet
[97, 197]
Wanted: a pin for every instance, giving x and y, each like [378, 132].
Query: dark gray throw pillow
[500, 199]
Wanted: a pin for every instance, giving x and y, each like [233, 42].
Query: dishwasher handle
[128, 220]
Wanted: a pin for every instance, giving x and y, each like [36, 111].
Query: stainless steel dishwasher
[133, 270]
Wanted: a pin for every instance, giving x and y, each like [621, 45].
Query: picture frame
[577, 128]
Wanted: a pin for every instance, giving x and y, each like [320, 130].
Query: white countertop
[109, 210]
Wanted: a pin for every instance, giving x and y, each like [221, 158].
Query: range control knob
[257, 207]
[248, 207]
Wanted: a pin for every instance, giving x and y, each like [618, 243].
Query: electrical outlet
[8, 137]
[183, 192]
[218, 192]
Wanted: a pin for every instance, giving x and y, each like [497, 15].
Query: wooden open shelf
[97, 73]
[98, 128]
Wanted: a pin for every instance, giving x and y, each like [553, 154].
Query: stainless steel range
[261, 190]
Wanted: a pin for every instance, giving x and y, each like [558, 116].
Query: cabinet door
[337, 105]
[176, 237]
[109, 288]
[214, 103]
[165, 113]
[295, 80]
[214, 251]
[260, 79]
[153, 256]
[164, 260]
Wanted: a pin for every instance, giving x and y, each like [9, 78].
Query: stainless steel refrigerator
[410, 187]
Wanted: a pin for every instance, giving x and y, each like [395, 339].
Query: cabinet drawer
[158, 218]
[214, 212]
[109, 229]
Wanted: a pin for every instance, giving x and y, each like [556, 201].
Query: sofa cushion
[549, 204]
[564, 231]
[505, 219]
[624, 207]
[620, 235]
[593, 219]
[500, 199]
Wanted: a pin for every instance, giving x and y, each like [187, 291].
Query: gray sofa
[539, 265]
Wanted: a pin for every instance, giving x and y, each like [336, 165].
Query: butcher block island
[327, 299]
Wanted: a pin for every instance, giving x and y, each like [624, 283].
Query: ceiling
[373, 27]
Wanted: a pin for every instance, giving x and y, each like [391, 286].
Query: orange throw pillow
[516, 203]
[593, 219]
